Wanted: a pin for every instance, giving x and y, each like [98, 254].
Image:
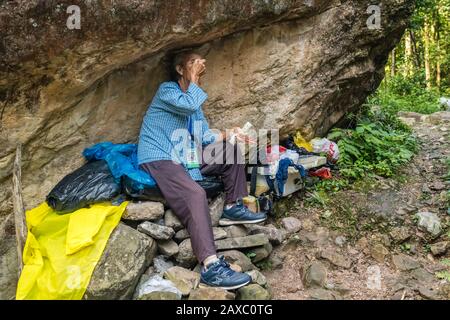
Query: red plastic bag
[273, 153]
[324, 173]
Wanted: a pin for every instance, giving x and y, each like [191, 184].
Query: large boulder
[278, 64]
[126, 256]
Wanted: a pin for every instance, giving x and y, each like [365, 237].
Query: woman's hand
[196, 70]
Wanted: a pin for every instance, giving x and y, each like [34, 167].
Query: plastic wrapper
[92, 183]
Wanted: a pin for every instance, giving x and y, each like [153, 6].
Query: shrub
[406, 94]
[379, 145]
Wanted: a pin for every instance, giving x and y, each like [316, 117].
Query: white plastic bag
[326, 146]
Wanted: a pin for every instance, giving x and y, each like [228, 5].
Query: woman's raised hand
[197, 70]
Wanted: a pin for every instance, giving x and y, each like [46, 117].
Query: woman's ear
[179, 70]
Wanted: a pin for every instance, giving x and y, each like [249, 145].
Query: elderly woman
[177, 106]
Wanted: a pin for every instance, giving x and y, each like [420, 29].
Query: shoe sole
[228, 288]
[226, 222]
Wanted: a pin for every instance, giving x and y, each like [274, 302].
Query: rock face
[9, 261]
[279, 64]
[127, 255]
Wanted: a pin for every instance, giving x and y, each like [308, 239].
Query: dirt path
[366, 243]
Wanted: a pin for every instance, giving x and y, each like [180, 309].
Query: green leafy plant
[251, 255]
[264, 265]
[317, 198]
[405, 247]
[409, 93]
[445, 262]
[443, 275]
[379, 144]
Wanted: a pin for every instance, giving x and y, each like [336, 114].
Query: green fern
[379, 144]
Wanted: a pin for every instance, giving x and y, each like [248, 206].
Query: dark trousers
[188, 200]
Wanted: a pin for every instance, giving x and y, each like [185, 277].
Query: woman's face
[189, 61]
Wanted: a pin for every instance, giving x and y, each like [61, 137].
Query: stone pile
[149, 256]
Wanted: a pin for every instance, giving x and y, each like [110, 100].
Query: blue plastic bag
[122, 161]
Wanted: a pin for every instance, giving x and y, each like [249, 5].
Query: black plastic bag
[290, 144]
[91, 183]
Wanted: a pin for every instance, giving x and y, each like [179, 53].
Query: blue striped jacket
[172, 109]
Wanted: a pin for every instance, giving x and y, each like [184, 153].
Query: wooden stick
[19, 211]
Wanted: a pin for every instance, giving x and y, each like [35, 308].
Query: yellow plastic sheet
[61, 251]
[301, 142]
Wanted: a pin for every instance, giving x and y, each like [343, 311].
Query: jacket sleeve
[179, 102]
[208, 135]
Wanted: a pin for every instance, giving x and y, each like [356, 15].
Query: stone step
[144, 211]
[255, 240]
[156, 231]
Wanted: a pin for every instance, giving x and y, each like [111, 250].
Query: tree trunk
[437, 37]
[426, 37]
[438, 73]
[408, 55]
[393, 63]
[415, 51]
[19, 212]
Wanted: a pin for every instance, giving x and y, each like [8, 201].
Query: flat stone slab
[430, 222]
[315, 275]
[185, 280]
[276, 236]
[439, 248]
[235, 231]
[253, 292]
[255, 240]
[210, 293]
[168, 248]
[405, 263]
[335, 258]
[156, 231]
[238, 258]
[218, 233]
[187, 259]
[172, 221]
[144, 211]
[257, 277]
[260, 253]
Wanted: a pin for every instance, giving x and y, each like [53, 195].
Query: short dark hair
[175, 58]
